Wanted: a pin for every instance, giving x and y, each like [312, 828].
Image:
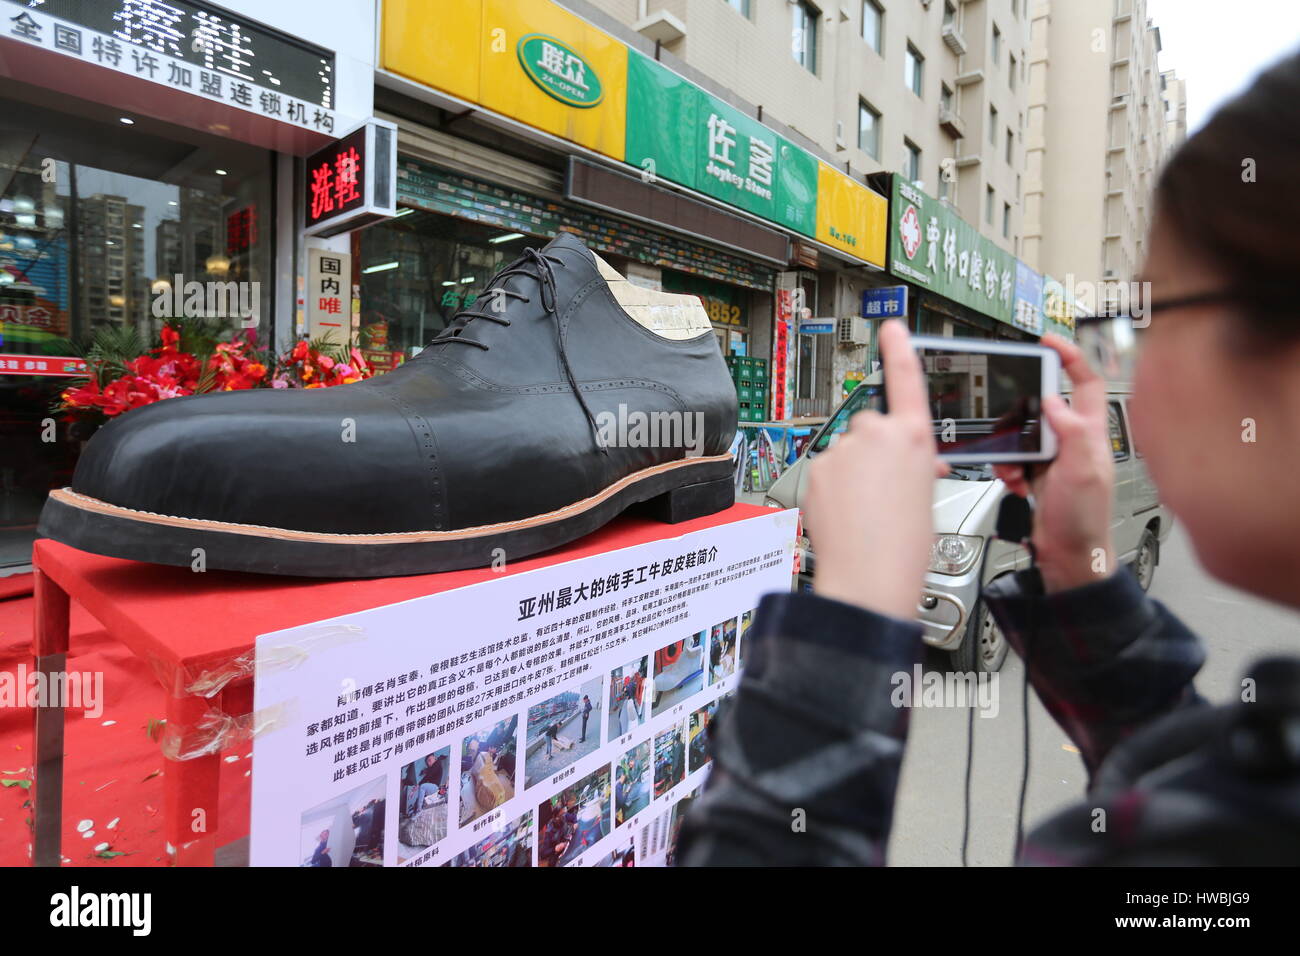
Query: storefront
[730, 308]
[965, 284]
[674, 186]
[455, 231]
[134, 169]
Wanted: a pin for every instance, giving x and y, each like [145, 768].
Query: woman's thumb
[1067, 423]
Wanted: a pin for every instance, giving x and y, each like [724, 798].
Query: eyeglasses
[1110, 344]
[1111, 341]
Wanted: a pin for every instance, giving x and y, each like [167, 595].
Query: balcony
[950, 122]
[953, 39]
[660, 26]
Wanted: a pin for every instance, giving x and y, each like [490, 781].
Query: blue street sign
[817, 328]
[885, 302]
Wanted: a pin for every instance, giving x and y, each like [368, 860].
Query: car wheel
[1144, 564]
[984, 647]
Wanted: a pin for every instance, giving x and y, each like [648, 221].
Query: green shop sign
[559, 71]
[932, 247]
[678, 132]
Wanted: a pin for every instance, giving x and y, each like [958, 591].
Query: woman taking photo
[1216, 413]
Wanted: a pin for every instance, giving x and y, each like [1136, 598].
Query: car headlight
[770, 502]
[954, 553]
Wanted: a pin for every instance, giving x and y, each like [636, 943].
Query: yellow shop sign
[851, 217]
[534, 62]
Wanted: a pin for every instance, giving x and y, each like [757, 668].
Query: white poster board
[555, 717]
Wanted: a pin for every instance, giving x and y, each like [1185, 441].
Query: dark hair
[1246, 224]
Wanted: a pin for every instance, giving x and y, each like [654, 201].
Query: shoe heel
[692, 501]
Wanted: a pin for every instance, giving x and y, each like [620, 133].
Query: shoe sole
[671, 492]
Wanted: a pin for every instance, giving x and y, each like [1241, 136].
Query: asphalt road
[1236, 629]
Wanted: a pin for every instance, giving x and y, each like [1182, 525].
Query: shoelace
[545, 275]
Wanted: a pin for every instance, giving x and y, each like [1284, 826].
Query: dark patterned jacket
[806, 759]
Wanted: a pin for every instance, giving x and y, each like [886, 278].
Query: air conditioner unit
[853, 330]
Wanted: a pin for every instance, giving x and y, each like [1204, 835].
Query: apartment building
[932, 89]
[113, 287]
[1102, 118]
[1175, 92]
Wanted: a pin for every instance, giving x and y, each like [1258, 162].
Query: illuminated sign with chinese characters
[205, 38]
[334, 185]
[351, 182]
[241, 230]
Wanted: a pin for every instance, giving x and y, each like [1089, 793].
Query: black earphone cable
[1024, 714]
[1015, 523]
[970, 720]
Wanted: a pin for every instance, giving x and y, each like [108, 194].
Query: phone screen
[984, 402]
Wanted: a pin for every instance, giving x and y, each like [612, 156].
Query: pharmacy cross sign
[909, 231]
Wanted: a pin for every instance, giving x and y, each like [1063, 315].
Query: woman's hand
[870, 495]
[1073, 494]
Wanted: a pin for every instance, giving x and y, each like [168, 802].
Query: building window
[803, 35]
[993, 125]
[1010, 140]
[1011, 73]
[911, 161]
[1006, 220]
[945, 96]
[988, 204]
[873, 25]
[949, 14]
[913, 65]
[997, 45]
[740, 6]
[868, 130]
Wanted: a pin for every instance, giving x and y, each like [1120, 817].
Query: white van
[965, 556]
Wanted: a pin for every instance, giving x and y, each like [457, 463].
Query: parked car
[966, 556]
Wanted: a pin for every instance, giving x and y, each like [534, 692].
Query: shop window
[443, 265]
[95, 217]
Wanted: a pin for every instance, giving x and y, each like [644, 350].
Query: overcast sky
[1218, 47]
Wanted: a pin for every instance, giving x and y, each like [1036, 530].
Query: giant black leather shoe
[533, 419]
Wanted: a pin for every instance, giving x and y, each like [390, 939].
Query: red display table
[197, 631]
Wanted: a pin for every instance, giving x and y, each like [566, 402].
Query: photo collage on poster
[561, 716]
[648, 720]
